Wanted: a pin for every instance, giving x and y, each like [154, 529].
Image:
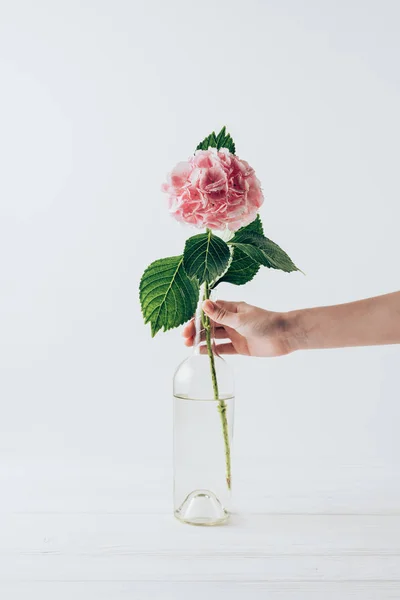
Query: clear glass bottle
[203, 427]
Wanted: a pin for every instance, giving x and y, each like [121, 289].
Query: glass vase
[203, 426]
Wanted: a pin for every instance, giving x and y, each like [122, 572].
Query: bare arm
[254, 331]
[369, 322]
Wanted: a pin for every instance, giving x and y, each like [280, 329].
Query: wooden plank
[200, 590]
[280, 548]
[162, 535]
[171, 568]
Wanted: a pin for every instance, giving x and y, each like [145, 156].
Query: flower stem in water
[221, 403]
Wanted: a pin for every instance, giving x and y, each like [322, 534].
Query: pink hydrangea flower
[214, 189]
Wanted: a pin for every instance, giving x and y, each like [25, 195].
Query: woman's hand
[250, 330]
[257, 332]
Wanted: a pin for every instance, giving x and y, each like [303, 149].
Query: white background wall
[99, 99]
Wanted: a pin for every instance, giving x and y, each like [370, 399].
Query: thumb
[219, 314]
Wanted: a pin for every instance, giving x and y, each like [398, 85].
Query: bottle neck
[203, 327]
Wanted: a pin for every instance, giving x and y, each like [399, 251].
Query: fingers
[189, 329]
[226, 348]
[223, 313]
[219, 333]
[229, 305]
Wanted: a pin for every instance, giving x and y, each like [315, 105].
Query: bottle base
[202, 507]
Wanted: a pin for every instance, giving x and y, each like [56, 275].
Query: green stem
[221, 403]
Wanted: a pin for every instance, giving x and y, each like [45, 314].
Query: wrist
[295, 335]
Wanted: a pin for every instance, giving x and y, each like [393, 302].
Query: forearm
[370, 322]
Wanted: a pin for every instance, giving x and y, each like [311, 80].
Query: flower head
[214, 189]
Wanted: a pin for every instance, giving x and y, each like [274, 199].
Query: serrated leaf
[204, 144]
[167, 296]
[229, 144]
[243, 268]
[222, 140]
[206, 257]
[213, 140]
[262, 250]
[255, 226]
[221, 137]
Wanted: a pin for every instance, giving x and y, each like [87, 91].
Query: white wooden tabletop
[82, 535]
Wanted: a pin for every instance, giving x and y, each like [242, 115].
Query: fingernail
[208, 305]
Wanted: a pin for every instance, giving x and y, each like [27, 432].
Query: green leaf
[213, 140]
[222, 140]
[262, 250]
[255, 226]
[206, 257]
[229, 143]
[167, 296]
[221, 137]
[204, 145]
[243, 268]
